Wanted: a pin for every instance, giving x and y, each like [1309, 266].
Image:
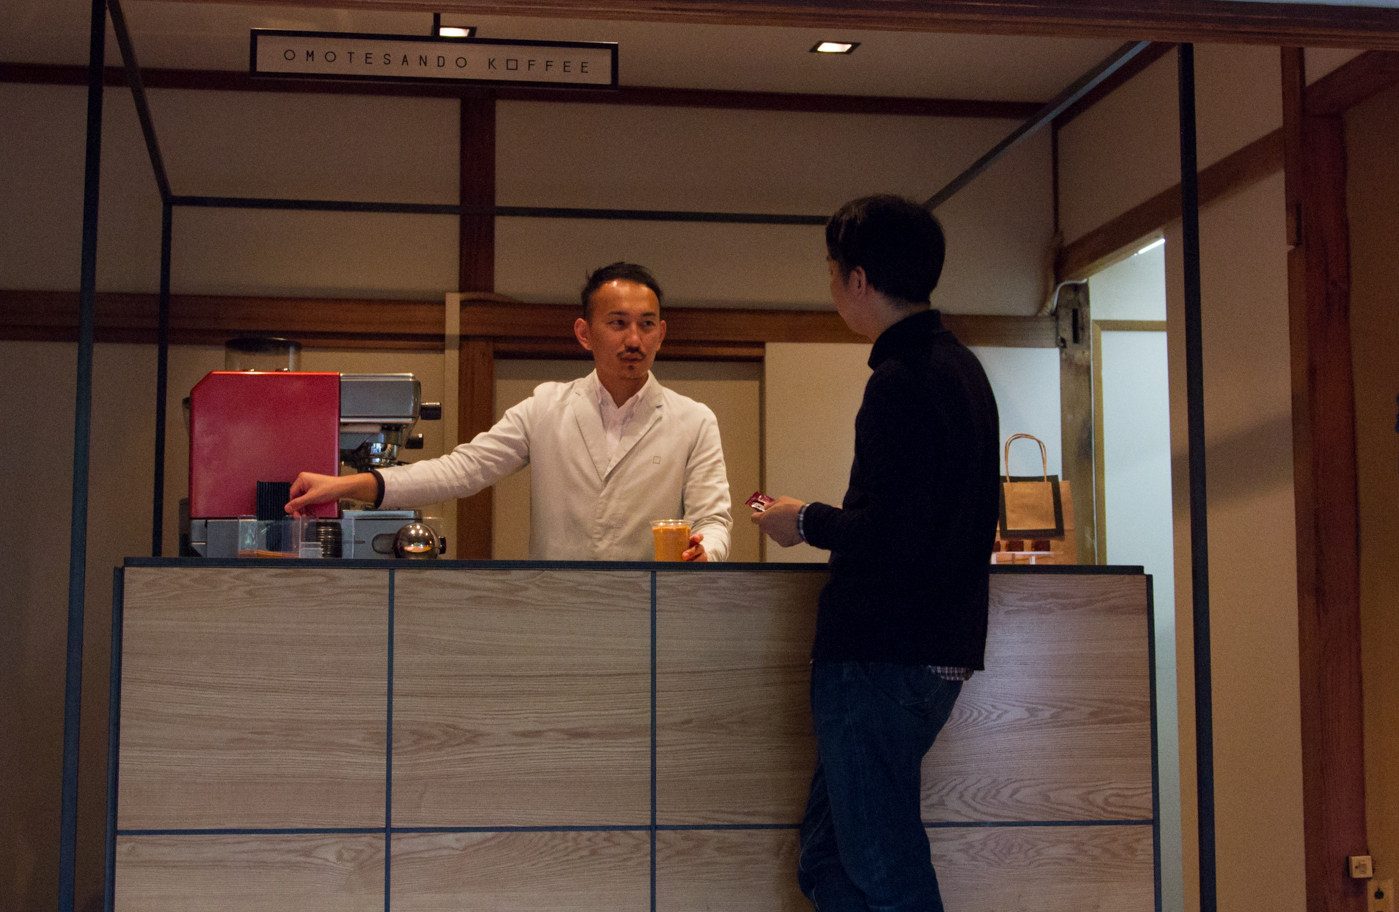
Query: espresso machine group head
[377, 416]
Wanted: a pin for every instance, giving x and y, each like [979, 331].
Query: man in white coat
[609, 453]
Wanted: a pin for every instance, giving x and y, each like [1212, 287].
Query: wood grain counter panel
[979, 869]
[1047, 869]
[232, 873]
[734, 741]
[1058, 726]
[253, 698]
[522, 871]
[522, 697]
[733, 870]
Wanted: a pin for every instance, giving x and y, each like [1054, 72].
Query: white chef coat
[587, 503]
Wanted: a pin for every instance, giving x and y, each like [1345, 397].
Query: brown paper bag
[1036, 520]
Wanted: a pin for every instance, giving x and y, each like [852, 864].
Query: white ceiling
[763, 59]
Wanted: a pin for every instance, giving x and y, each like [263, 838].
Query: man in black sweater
[902, 622]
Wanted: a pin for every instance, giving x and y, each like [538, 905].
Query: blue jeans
[863, 845]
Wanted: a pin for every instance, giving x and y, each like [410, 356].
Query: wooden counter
[307, 735]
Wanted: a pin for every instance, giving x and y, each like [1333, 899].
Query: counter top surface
[661, 566]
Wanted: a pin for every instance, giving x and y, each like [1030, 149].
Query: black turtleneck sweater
[911, 545]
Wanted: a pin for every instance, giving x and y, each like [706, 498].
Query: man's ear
[857, 282]
[580, 332]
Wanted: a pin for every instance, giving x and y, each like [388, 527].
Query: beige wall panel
[714, 159]
[1238, 98]
[299, 146]
[767, 266]
[41, 192]
[522, 697]
[1321, 61]
[230, 873]
[1048, 869]
[734, 741]
[733, 870]
[522, 872]
[1126, 149]
[253, 697]
[41, 186]
[732, 391]
[1058, 726]
[756, 161]
[1372, 131]
[1252, 523]
[233, 144]
[1121, 152]
[811, 394]
[329, 254]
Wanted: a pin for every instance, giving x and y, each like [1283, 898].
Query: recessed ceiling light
[834, 47]
[451, 31]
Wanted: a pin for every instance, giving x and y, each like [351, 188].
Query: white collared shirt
[615, 418]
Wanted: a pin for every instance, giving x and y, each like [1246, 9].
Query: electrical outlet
[1380, 894]
[1362, 867]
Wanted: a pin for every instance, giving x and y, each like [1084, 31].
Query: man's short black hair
[897, 242]
[627, 272]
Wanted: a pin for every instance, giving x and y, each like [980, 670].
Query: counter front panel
[595, 737]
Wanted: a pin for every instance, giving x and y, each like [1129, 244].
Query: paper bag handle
[1044, 454]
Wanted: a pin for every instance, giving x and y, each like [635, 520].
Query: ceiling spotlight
[834, 47]
[451, 31]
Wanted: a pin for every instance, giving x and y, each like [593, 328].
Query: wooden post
[1323, 435]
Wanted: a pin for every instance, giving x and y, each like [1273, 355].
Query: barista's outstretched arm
[310, 488]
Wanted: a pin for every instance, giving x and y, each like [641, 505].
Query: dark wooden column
[1075, 337]
[1323, 431]
[476, 375]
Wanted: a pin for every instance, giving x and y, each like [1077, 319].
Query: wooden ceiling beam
[1221, 21]
[722, 332]
[652, 96]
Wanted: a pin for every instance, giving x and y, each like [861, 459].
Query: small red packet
[760, 501]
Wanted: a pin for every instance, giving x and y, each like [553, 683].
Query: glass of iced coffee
[672, 538]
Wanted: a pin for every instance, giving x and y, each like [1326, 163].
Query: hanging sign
[338, 55]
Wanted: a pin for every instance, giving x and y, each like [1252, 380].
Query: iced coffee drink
[672, 538]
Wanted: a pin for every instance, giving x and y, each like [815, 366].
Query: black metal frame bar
[1199, 531]
[82, 450]
[1052, 109]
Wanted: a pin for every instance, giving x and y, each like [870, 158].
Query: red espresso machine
[253, 431]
